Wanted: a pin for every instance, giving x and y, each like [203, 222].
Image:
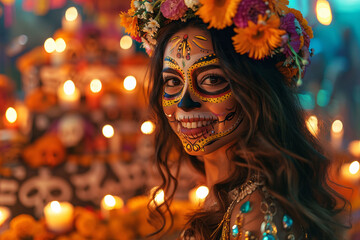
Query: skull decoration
[71, 129]
[39, 190]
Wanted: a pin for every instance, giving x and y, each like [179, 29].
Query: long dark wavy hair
[277, 144]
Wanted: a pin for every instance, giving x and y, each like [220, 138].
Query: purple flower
[249, 10]
[173, 9]
[288, 24]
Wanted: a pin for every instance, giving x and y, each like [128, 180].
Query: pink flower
[249, 10]
[173, 9]
[288, 24]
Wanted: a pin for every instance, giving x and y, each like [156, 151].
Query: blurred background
[76, 135]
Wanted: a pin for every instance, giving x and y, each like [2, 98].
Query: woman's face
[197, 99]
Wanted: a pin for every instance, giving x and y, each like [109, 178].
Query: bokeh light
[354, 167]
[55, 206]
[95, 86]
[130, 83]
[11, 115]
[71, 14]
[49, 45]
[202, 192]
[337, 126]
[69, 87]
[313, 125]
[126, 42]
[147, 127]
[323, 12]
[108, 131]
[60, 45]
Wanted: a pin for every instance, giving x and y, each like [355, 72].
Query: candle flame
[71, 14]
[130, 83]
[49, 45]
[95, 86]
[202, 192]
[354, 167]
[11, 115]
[108, 131]
[323, 12]
[337, 126]
[147, 127]
[60, 45]
[312, 125]
[55, 206]
[69, 87]
[109, 201]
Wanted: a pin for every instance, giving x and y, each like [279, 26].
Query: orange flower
[218, 13]
[288, 72]
[303, 22]
[279, 6]
[258, 40]
[130, 23]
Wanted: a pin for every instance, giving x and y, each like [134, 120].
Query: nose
[187, 104]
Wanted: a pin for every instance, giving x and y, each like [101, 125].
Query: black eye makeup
[172, 85]
[210, 80]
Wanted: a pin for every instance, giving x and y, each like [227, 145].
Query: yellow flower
[258, 40]
[279, 6]
[218, 13]
[130, 23]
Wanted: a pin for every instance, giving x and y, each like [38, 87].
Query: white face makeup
[197, 98]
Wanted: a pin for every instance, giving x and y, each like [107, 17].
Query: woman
[224, 76]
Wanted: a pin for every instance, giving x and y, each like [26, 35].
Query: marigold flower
[218, 13]
[173, 9]
[249, 10]
[130, 23]
[279, 6]
[258, 40]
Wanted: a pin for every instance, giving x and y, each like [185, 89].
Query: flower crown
[263, 28]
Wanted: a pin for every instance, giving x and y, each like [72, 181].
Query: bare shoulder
[259, 217]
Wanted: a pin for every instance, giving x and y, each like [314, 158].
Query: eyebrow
[171, 70]
[201, 69]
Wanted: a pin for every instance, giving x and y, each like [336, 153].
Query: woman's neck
[218, 166]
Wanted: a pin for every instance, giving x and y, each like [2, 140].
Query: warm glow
[354, 148]
[130, 83]
[147, 127]
[126, 42]
[202, 192]
[69, 87]
[323, 12]
[60, 45]
[4, 214]
[95, 85]
[160, 197]
[354, 167]
[108, 131]
[71, 14]
[337, 126]
[55, 206]
[11, 115]
[109, 200]
[49, 45]
[312, 125]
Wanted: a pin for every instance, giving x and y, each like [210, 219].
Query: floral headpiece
[264, 28]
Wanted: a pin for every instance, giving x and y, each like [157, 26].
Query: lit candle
[4, 218]
[71, 22]
[69, 95]
[11, 117]
[198, 195]
[110, 204]
[93, 94]
[159, 197]
[337, 133]
[351, 171]
[312, 125]
[59, 216]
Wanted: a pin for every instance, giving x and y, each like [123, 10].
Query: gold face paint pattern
[169, 100]
[184, 46]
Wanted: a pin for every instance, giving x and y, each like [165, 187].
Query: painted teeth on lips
[195, 124]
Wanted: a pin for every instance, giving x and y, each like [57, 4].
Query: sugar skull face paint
[197, 98]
